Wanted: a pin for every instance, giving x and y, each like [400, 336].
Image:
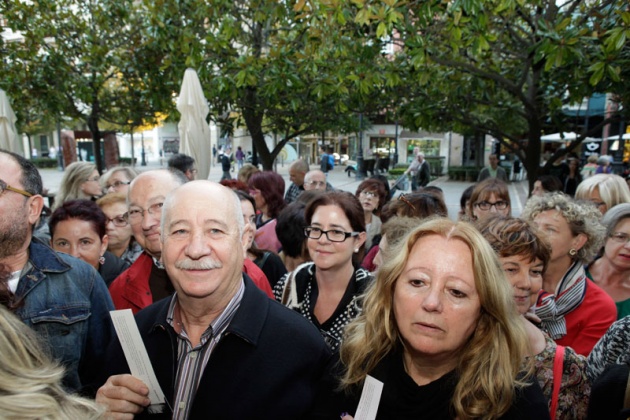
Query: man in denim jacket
[62, 298]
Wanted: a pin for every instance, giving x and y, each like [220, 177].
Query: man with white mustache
[146, 281]
[220, 348]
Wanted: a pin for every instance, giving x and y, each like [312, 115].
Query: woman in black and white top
[326, 291]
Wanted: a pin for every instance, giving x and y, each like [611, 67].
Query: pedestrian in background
[226, 163]
[493, 170]
[240, 157]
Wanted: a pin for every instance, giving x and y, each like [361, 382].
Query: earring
[101, 260]
[356, 250]
[572, 252]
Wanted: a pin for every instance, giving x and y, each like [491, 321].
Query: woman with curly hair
[439, 329]
[574, 311]
[267, 188]
[30, 383]
[524, 256]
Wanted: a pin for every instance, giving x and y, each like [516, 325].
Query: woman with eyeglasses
[117, 179]
[372, 195]
[80, 181]
[574, 311]
[326, 291]
[78, 228]
[489, 197]
[604, 190]
[611, 271]
[121, 241]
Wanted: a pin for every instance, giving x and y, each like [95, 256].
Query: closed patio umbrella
[9, 139]
[559, 137]
[194, 132]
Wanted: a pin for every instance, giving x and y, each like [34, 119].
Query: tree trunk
[96, 142]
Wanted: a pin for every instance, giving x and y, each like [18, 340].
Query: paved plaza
[340, 180]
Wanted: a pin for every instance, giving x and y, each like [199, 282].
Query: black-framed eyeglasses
[117, 184]
[486, 205]
[120, 220]
[333, 235]
[4, 186]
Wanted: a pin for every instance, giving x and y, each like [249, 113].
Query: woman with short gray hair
[574, 311]
[611, 271]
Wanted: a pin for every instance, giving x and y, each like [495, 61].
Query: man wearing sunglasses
[62, 298]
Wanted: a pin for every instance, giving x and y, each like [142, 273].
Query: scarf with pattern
[551, 309]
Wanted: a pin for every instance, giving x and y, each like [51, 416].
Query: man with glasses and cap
[63, 299]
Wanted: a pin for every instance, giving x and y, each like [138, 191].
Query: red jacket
[130, 290]
[589, 322]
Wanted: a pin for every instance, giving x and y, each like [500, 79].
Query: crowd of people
[259, 300]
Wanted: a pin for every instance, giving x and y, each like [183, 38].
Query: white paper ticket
[370, 398]
[137, 357]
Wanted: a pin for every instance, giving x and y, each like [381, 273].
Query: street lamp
[360, 164]
[143, 162]
[396, 146]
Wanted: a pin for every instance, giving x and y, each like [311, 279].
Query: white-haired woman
[604, 190]
[611, 271]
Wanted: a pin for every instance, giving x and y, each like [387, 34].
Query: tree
[88, 52]
[506, 68]
[270, 65]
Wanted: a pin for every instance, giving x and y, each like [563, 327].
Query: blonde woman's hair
[582, 217]
[490, 361]
[130, 173]
[612, 188]
[74, 175]
[30, 383]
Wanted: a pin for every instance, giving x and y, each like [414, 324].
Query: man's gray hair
[237, 211]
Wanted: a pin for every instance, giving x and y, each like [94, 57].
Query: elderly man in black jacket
[220, 348]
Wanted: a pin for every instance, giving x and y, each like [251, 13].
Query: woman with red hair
[267, 188]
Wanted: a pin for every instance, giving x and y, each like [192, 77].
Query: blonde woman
[439, 329]
[604, 190]
[80, 181]
[30, 383]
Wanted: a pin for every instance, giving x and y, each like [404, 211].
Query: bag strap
[558, 364]
[626, 401]
[264, 259]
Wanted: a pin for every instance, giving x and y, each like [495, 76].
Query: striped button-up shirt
[192, 361]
